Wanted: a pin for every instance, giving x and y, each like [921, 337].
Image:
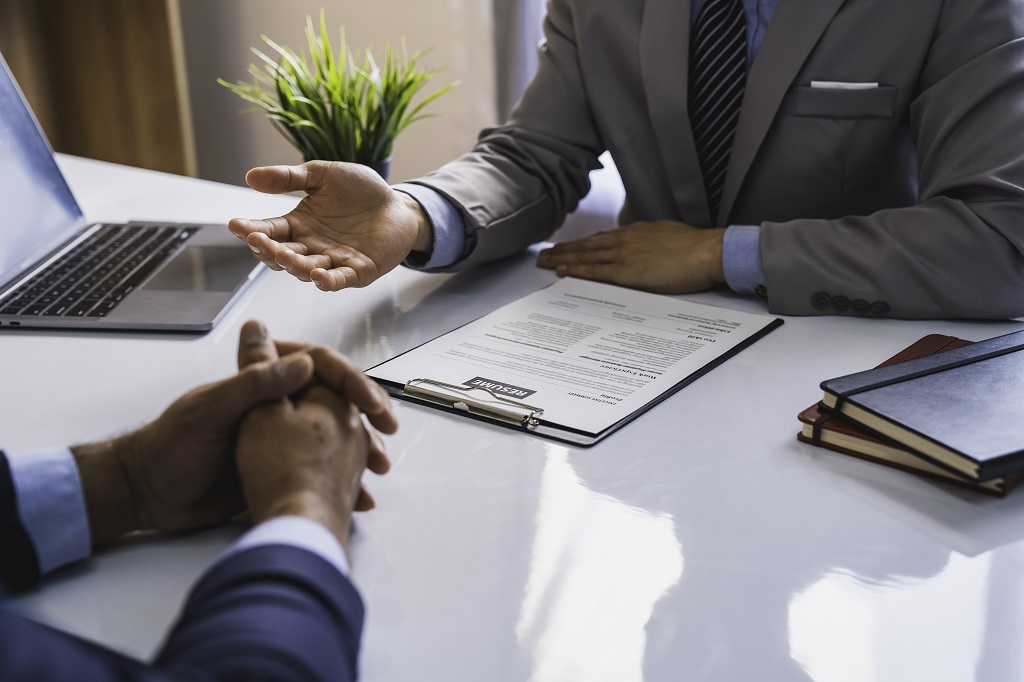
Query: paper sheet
[589, 354]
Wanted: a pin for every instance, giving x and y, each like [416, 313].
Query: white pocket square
[843, 85]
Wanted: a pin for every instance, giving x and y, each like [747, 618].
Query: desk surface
[701, 542]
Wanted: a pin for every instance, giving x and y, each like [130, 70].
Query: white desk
[701, 542]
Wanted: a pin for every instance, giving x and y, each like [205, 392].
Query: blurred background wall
[104, 77]
[134, 81]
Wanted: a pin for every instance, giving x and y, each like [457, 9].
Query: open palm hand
[349, 229]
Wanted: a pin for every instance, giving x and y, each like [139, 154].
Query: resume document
[576, 359]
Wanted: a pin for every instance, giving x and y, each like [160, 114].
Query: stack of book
[943, 408]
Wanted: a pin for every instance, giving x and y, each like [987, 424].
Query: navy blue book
[962, 409]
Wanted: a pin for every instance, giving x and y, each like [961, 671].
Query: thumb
[278, 179]
[255, 345]
[261, 382]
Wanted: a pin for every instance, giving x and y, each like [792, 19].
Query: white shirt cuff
[51, 505]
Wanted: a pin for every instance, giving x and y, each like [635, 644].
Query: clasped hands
[284, 436]
[351, 228]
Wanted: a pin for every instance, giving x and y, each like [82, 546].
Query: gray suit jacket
[904, 200]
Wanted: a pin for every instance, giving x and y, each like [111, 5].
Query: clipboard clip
[521, 415]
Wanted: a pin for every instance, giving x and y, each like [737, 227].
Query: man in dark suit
[284, 438]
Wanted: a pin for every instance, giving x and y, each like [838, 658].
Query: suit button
[761, 290]
[879, 308]
[840, 303]
[860, 307]
[821, 301]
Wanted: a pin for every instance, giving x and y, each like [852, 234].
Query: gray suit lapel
[793, 32]
[664, 49]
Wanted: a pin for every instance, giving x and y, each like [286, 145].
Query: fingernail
[256, 250]
[292, 368]
[320, 285]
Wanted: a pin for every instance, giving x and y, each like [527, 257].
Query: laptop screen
[38, 208]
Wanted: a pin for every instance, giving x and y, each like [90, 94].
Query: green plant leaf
[329, 105]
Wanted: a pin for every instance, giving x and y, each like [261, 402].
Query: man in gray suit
[876, 168]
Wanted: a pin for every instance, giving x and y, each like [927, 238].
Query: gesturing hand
[350, 228]
[663, 256]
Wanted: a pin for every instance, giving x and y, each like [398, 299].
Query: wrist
[713, 254]
[335, 517]
[424, 239]
[110, 500]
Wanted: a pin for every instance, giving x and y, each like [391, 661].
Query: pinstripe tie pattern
[718, 67]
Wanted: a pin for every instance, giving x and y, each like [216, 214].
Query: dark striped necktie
[718, 70]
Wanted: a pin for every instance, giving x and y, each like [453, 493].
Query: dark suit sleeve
[273, 612]
[19, 565]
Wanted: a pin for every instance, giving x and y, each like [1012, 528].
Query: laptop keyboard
[93, 278]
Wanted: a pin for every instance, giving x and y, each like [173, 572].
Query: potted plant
[331, 106]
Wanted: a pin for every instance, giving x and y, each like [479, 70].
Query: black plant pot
[383, 167]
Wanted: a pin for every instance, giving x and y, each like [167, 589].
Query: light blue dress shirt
[51, 506]
[741, 246]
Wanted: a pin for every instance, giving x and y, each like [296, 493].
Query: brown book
[830, 431]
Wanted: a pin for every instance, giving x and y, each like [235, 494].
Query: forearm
[504, 208]
[522, 178]
[942, 259]
[270, 612]
[310, 619]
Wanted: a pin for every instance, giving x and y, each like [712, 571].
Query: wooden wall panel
[103, 76]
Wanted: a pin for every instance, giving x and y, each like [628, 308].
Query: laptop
[58, 271]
